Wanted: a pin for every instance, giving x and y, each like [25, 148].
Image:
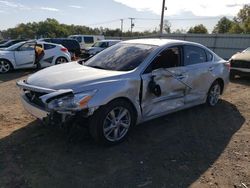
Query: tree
[180, 31]
[201, 29]
[243, 19]
[223, 25]
[236, 29]
[243, 15]
[167, 26]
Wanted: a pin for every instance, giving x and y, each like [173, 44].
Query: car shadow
[243, 80]
[15, 75]
[171, 151]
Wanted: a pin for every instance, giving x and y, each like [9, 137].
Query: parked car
[22, 55]
[86, 41]
[72, 45]
[126, 84]
[10, 43]
[240, 64]
[100, 45]
[3, 41]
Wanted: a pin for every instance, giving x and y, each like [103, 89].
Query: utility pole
[131, 24]
[121, 26]
[162, 17]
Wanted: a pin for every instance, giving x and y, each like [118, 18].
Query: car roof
[159, 41]
[107, 40]
[43, 42]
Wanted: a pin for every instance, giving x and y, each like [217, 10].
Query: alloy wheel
[214, 94]
[4, 66]
[116, 124]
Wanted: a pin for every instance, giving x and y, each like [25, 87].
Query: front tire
[214, 94]
[5, 66]
[111, 123]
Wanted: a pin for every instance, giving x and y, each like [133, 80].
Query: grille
[33, 97]
[240, 64]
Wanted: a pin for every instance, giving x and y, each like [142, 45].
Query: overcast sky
[107, 13]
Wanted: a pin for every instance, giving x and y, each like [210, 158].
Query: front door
[164, 86]
[25, 55]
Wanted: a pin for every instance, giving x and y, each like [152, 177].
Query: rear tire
[61, 60]
[5, 66]
[213, 95]
[111, 123]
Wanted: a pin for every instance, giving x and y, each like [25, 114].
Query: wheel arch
[61, 56]
[221, 82]
[11, 63]
[128, 101]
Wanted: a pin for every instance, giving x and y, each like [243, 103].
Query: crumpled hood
[242, 56]
[71, 76]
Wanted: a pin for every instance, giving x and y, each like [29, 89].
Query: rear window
[194, 55]
[89, 40]
[48, 46]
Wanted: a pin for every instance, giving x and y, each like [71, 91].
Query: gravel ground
[198, 147]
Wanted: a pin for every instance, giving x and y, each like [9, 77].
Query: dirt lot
[198, 147]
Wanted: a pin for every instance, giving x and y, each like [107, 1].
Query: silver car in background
[126, 84]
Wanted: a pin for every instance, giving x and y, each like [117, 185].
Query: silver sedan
[126, 84]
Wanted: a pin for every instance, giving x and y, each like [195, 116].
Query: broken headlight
[72, 102]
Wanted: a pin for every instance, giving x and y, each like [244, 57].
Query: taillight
[228, 65]
[64, 49]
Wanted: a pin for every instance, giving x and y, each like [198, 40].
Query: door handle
[211, 68]
[180, 76]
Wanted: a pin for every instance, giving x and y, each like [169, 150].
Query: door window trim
[205, 51]
[180, 47]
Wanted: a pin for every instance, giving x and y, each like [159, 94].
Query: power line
[176, 19]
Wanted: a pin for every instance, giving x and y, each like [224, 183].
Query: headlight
[71, 102]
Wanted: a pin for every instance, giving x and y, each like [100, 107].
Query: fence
[225, 45]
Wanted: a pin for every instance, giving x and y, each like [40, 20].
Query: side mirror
[161, 72]
[154, 88]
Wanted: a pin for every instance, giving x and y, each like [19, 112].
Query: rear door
[25, 55]
[199, 69]
[166, 72]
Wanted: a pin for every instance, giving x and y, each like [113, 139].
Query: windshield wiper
[97, 67]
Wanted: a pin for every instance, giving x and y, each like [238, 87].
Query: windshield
[13, 47]
[100, 44]
[121, 57]
[247, 50]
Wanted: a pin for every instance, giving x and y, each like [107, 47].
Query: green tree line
[51, 28]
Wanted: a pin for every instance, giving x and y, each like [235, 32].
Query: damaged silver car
[126, 84]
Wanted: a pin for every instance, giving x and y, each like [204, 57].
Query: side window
[166, 59]
[49, 46]
[209, 56]
[194, 55]
[104, 45]
[27, 47]
[88, 40]
[79, 39]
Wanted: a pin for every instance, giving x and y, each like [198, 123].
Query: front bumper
[33, 109]
[34, 100]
